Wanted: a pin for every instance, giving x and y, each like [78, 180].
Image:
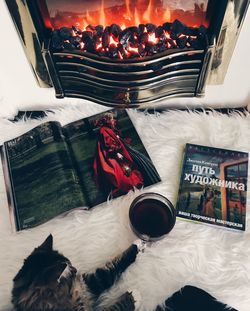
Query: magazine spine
[75, 167]
[10, 189]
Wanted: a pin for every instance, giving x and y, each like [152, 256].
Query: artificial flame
[84, 24]
[167, 15]
[131, 16]
[127, 13]
[89, 17]
[102, 15]
[147, 14]
[137, 18]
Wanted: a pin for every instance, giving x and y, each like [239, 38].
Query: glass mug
[151, 216]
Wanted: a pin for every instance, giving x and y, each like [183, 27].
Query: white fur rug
[212, 258]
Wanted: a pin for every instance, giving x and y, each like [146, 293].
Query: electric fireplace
[128, 52]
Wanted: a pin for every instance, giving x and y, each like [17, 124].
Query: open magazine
[52, 169]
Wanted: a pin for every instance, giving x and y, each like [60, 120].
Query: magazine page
[109, 156]
[213, 186]
[43, 180]
[10, 211]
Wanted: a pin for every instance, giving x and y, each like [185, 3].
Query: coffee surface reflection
[152, 215]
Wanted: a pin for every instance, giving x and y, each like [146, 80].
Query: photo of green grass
[44, 181]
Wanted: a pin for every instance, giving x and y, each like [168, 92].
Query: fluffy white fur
[214, 259]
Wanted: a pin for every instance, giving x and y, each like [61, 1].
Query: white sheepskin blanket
[215, 259]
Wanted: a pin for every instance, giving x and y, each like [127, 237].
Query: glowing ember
[113, 41]
[152, 38]
[132, 42]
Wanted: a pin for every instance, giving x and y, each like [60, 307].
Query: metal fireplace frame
[175, 73]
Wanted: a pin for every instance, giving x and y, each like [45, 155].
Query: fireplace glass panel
[126, 29]
[125, 13]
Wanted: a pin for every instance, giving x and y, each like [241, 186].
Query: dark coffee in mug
[152, 215]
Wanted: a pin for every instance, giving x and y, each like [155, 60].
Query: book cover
[52, 169]
[213, 186]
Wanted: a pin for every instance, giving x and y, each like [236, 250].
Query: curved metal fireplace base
[127, 83]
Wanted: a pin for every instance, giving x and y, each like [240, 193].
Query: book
[213, 186]
[52, 169]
